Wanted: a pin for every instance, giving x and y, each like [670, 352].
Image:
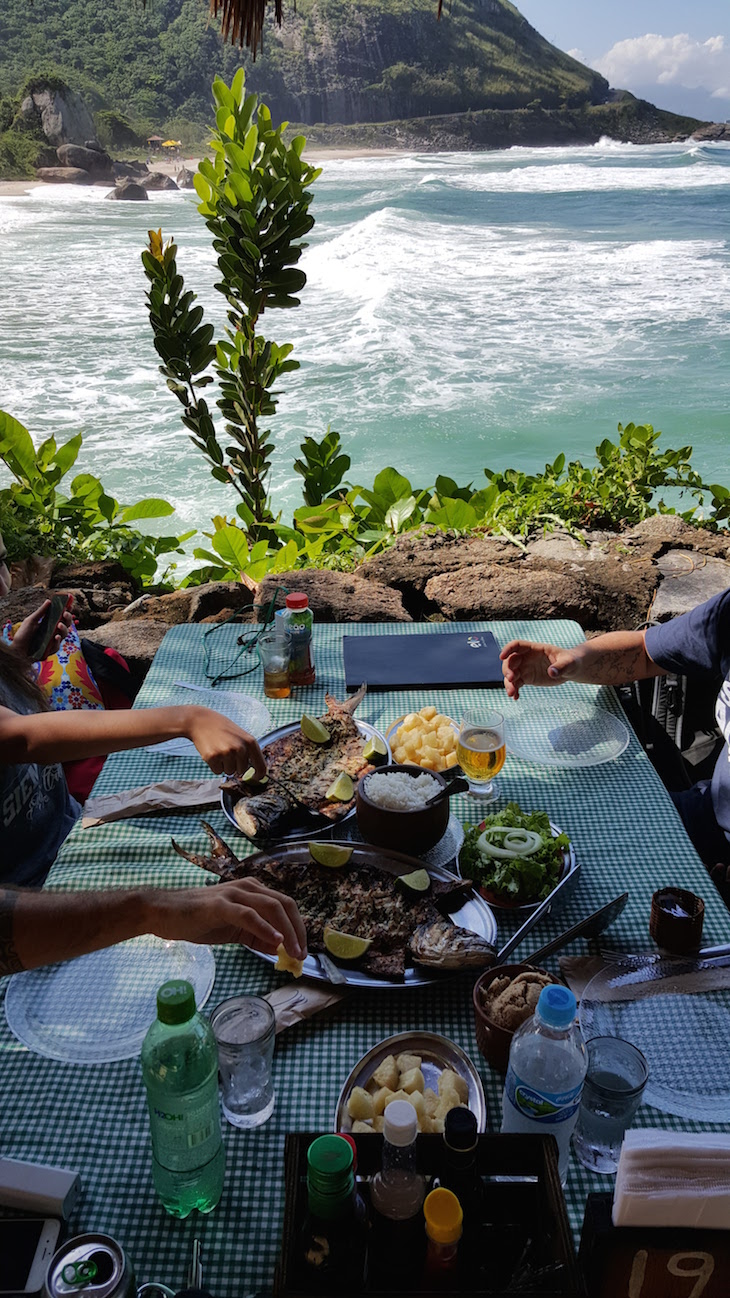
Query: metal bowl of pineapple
[426, 738]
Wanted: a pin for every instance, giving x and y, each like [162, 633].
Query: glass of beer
[274, 656]
[481, 750]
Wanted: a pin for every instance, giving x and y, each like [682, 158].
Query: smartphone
[46, 628]
[27, 1245]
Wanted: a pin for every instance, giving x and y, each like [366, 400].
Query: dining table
[626, 834]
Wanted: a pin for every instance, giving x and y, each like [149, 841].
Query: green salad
[514, 855]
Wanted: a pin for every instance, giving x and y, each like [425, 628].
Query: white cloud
[577, 54]
[669, 61]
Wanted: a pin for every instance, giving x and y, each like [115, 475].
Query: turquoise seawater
[462, 310]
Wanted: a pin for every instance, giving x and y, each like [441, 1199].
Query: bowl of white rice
[392, 812]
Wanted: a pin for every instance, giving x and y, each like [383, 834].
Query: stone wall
[604, 581]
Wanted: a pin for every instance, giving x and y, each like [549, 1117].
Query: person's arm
[38, 928]
[612, 659]
[67, 736]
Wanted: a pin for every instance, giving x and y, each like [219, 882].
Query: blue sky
[674, 52]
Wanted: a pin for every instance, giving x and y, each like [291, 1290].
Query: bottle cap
[401, 1123]
[443, 1214]
[557, 1006]
[461, 1129]
[351, 1142]
[330, 1176]
[175, 1001]
[297, 599]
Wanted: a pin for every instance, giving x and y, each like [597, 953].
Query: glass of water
[244, 1028]
[615, 1080]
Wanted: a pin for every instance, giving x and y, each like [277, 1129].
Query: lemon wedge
[375, 749]
[416, 881]
[342, 790]
[345, 946]
[331, 855]
[313, 729]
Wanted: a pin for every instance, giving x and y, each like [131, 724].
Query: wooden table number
[636, 1262]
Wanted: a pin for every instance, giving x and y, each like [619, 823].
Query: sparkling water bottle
[547, 1068]
[180, 1072]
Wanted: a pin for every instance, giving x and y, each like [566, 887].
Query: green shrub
[115, 131]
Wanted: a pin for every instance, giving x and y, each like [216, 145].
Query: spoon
[459, 785]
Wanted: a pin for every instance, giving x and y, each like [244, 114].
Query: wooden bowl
[411, 832]
[493, 1040]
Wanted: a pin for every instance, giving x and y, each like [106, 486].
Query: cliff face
[380, 60]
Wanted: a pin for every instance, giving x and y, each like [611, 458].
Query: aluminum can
[94, 1266]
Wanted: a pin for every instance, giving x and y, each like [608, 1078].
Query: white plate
[572, 737]
[97, 1008]
[437, 1053]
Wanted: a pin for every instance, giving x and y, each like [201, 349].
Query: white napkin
[673, 1178]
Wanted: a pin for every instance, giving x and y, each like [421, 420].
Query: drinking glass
[274, 655]
[615, 1080]
[244, 1028]
[481, 750]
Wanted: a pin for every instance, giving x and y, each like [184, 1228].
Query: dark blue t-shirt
[698, 643]
[36, 810]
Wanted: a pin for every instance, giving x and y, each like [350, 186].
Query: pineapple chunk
[409, 722]
[360, 1104]
[386, 1074]
[396, 1095]
[406, 1062]
[380, 1099]
[451, 1081]
[399, 755]
[360, 1128]
[430, 1100]
[428, 713]
[378, 1123]
[416, 1099]
[412, 1080]
[451, 759]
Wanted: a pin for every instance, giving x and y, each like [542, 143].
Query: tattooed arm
[39, 928]
[612, 659]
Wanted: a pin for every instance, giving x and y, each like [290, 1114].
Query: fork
[610, 956]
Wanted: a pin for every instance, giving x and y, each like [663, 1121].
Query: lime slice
[331, 855]
[249, 777]
[416, 881]
[342, 790]
[345, 946]
[375, 749]
[313, 729]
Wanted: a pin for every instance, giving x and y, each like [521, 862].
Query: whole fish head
[443, 945]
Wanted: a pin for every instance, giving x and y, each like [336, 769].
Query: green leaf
[230, 544]
[399, 513]
[16, 448]
[153, 507]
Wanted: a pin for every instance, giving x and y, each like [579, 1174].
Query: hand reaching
[226, 748]
[242, 910]
[527, 663]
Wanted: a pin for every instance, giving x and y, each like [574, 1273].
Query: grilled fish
[361, 899]
[308, 770]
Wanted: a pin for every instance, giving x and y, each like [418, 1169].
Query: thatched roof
[243, 20]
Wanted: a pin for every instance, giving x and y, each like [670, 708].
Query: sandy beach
[170, 166]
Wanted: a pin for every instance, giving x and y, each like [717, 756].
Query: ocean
[461, 310]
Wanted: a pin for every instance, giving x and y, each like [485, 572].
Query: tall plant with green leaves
[255, 199]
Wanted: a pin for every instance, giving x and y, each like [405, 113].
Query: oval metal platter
[474, 914]
[437, 1053]
[228, 800]
[570, 867]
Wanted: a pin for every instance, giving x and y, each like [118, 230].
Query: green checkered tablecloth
[626, 835]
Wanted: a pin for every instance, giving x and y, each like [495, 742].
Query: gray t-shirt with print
[36, 810]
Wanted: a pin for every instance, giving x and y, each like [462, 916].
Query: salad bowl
[530, 884]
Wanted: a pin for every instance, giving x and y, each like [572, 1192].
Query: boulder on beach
[78, 155]
[62, 115]
[129, 189]
[137, 170]
[64, 175]
[158, 180]
[184, 178]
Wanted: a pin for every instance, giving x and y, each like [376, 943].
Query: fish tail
[334, 707]
[205, 862]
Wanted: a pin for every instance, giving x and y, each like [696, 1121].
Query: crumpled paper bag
[300, 1000]
[150, 799]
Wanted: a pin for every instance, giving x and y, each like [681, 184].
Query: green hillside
[333, 60]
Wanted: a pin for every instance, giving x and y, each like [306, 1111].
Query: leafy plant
[255, 202]
[88, 523]
[323, 466]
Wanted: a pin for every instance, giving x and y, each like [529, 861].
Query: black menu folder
[444, 659]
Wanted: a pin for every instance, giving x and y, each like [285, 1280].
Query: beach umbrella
[171, 144]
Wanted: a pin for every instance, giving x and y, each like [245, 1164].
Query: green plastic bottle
[180, 1072]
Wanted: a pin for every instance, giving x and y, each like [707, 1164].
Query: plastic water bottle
[180, 1072]
[547, 1068]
